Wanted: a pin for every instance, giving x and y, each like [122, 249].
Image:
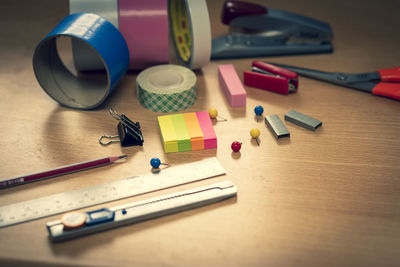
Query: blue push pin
[156, 162]
[259, 111]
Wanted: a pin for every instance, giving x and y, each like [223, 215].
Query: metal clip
[129, 132]
[110, 141]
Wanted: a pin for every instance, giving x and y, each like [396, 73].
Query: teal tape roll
[166, 88]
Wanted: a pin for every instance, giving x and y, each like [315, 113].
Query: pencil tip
[123, 156]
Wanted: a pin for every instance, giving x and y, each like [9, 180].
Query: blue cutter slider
[255, 31]
[384, 82]
[272, 78]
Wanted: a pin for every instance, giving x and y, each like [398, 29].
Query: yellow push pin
[255, 133]
[214, 114]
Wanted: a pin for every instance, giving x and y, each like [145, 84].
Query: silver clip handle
[110, 141]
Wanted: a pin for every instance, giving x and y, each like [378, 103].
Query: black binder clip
[129, 132]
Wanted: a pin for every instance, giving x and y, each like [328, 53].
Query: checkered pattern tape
[166, 88]
[167, 103]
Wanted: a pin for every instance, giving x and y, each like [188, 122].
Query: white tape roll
[84, 57]
[191, 31]
[107, 9]
[166, 88]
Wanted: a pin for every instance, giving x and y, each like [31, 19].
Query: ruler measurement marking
[85, 197]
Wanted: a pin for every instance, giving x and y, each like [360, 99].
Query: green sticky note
[181, 131]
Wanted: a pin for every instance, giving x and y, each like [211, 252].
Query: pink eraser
[232, 85]
[210, 138]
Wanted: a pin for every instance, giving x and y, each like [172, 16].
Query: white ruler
[90, 196]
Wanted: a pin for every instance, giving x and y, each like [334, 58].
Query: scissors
[384, 82]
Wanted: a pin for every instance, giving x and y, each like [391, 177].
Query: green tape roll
[166, 88]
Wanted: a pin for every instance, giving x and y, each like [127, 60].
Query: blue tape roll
[103, 39]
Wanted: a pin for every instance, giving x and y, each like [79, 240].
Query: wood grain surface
[324, 198]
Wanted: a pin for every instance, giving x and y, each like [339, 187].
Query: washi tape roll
[84, 58]
[103, 39]
[107, 9]
[191, 31]
[166, 88]
[144, 25]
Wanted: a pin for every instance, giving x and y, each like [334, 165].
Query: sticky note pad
[210, 139]
[182, 134]
[195, 133]
[168, 133]
[188, 131]
[233, 87]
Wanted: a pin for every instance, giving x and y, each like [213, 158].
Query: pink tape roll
[144, 25]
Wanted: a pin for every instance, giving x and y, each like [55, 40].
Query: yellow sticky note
[168, 134]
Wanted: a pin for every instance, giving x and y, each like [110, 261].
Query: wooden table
[329, 197]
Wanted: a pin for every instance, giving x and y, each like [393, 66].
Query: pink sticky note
[232, 85]
[210, 139]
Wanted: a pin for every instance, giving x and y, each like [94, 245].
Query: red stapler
[272, 78]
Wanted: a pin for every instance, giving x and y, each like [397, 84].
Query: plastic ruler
[90, 196]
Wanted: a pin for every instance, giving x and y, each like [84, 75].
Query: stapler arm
[256, 31]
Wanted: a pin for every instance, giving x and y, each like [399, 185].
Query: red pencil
[5, 183]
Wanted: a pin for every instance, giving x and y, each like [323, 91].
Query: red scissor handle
[391, 90]
[390, 75]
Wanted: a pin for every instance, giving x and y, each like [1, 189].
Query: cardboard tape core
[66, 88]
[181, 31]
[190, 31]
[165, 78]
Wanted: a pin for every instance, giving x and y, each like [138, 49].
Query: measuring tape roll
[144, 25]
[103, 39]
[108, 9]
[166, 88]
[191, 31]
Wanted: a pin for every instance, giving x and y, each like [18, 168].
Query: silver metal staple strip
[90, 196]
[276, 126]
[148, 209]
[302, 120]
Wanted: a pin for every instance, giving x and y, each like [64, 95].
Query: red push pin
[236, 146]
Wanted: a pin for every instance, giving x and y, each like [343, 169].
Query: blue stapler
[256, 31]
